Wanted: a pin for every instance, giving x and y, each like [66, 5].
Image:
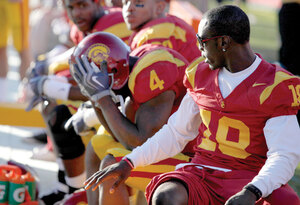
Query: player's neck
[239, 58]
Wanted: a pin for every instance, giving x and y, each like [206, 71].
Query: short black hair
[229, 20]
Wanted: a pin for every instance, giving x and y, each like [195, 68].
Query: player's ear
[160, 7]
[224, 43]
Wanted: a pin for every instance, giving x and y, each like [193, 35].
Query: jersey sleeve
[282, 96]
[154, 73]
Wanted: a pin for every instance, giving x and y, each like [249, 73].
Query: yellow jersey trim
[163, 30]
[279, 77]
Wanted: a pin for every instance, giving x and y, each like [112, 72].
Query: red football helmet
[101, 46]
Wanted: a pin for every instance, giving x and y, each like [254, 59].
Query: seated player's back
[157, 70]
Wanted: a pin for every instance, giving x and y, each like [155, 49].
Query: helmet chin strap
[116, 98]
[112, 80]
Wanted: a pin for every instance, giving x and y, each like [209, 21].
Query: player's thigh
[102, 141]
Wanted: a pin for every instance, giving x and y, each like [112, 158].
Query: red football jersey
[112, 22]
[231, 135]
[157, 70]
[171, 32]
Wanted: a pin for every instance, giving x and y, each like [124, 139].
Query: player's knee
[68, 143]
[162, 197]
[170, 193]
[107, 160]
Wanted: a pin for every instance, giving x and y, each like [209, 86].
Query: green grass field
[295, 182]
[265, 39]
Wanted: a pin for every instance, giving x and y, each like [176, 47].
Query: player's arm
[56, 87]
[181, 128]
[102, 119]
[75, 94]
[283, 141]
[150, 117]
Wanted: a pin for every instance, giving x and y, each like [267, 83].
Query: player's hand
[91, 80]
[119, 172]
[78, 120]
[37, 68]
[36, 84]
[244, 197]
[35, 100]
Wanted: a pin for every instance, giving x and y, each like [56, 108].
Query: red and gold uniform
[170, 32]
[157, 70]
[231, 145]
[14, 19]
[236, 134]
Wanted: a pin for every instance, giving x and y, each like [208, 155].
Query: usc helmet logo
[82, 203]
[98, 52]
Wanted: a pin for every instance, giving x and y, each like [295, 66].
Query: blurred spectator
[49, 27]
[14, 22]
[289, 25]
[49, 33]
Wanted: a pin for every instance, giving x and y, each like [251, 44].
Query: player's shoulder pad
[161, 29]
[112, 22]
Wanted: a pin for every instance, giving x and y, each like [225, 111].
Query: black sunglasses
[203, 40]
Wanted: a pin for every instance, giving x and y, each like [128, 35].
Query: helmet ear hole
[114, 70]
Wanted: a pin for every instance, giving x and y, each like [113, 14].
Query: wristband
[254, 190]
[57, 90]
[128, 162]
[100, 95]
